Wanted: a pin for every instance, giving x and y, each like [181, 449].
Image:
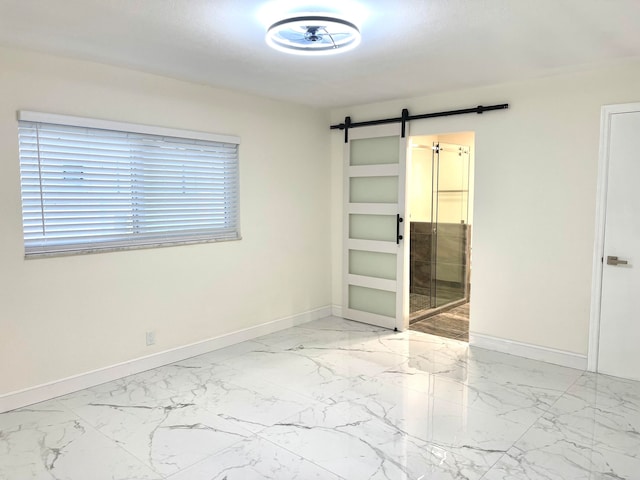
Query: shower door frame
[436, 149]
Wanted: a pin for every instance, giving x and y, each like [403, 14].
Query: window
[92, 185]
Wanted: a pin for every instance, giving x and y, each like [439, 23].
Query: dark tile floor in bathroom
[453, 323]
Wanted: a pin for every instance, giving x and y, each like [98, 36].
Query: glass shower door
[450, 214]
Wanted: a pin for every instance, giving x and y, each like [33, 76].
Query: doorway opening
[441, 216]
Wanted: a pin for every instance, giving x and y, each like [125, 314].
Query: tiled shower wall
[453, 256]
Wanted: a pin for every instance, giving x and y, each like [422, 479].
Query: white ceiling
[409, 47]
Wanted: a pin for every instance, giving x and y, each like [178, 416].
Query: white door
[619, 343]
[375, 263]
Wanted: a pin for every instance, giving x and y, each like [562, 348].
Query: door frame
[606, 115]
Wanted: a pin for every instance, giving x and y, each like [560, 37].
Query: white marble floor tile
[506, 400]
[251, 403]
[254, 459]
[610, 393]
[359, 362]
[182, 422]
[166, 437]
[49, 442]
[517, 381]
[317, 341]
[427, 413]
[604, 419]
[151, 388]
[445, 360]
[286, 368]
[40, 412]
[222, 354]
[318, 377]
[541, 454]
[414, 344]
[348, 440]
[342, 325]
[518, 371]
[133, 389]
[338, 400]
[448, 424]
[310, 342]
[402, 376]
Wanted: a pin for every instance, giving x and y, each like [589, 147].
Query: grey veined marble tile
[335, 400]
[318, 376]
[352, 442]
[185, 417]
[340, 324]
[553, 455]
[599, 411]
[167, 437]
[255, 459]
[48, 442]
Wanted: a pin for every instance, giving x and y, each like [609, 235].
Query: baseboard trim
[47, 391]
[336, 310]
[535, 352]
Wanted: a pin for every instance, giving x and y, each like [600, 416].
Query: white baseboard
[47, 391]
[336, 310]
[535, 352]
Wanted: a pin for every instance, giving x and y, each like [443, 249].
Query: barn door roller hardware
[405, 117]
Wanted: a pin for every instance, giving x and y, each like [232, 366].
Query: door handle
[614, 261]
[399, 220]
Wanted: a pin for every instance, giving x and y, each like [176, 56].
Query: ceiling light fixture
[313, 35]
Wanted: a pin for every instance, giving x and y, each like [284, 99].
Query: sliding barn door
[375, 260]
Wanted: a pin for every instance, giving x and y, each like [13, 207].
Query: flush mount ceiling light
[313, 35]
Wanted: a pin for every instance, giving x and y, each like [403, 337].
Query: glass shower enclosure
[440, 239]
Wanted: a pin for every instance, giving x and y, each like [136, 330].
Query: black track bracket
[405, 119]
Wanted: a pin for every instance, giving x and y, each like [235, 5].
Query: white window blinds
[89, 189]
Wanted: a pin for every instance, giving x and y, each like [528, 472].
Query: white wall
[67, 315]
[534, 207]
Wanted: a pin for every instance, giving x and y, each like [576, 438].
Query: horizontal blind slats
[84, 189]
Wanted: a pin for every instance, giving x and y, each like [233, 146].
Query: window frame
[91, 123]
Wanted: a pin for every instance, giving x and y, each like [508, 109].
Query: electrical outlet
[151, 338]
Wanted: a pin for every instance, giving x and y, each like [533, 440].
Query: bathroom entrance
[441, 213]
